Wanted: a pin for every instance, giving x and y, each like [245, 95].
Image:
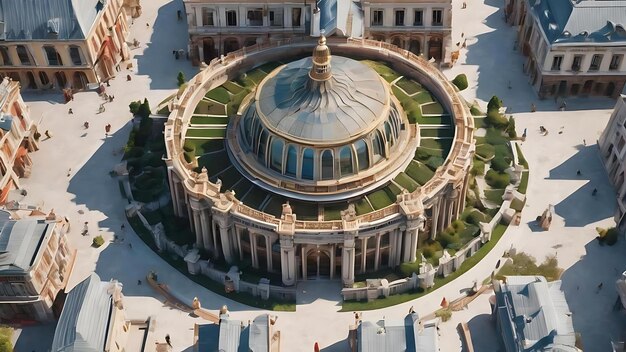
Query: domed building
[314, 173]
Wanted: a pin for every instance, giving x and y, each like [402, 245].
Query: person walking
[70, 111]
[47, 134]
[107, 129]
[86, 124]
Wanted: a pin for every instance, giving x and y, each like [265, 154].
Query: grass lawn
[437, 132]
[353, 306]
[209, 120]
[255, 197]
[380, 199]
[256, 75]
[434, 120]
[210, 108]
[382, 69]
[219, 94]
[206, 132]
[180, 265]
[362, 206]
[419, 172]
[409, 86]
[333, 212]
[392, 190]
[423, 153]
[410, 106]
[494, 195]
[517, 204]
[405, 181]
[523, 184]
[423, 98]
[304, 210]
[442, 144]
[524, 264]
[214, 162]
[432, 109]
[232, 87]
[486, 151]
[520, 156]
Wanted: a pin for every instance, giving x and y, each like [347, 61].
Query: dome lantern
[320, 70]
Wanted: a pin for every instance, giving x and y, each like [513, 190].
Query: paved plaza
[90, 194]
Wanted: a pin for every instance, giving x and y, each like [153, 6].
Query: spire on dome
[320, 71]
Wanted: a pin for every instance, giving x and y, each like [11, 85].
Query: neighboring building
[532, 315]
[35, 263]
[424, 27]
[573, 47]
[219, 27]
[17, 138]
[234, 335]
[408, 334]
[93, 318]
[287, 189]
[613, 155]
[59, 44]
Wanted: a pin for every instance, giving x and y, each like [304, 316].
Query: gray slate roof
[36, 19]
[20, 241]
[341, 17]
[84, 321]
[564, 21]
[233, 336]
[538, 314]
[389, 335]
[327, 111]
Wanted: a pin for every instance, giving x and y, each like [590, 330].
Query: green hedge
[409, 86]
[219, 94]
[460, 81]
[523, 184]
[97, 241]
[496, 179]
[486, 151]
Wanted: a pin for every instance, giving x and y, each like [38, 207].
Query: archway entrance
[435, 48]
[318, 263]
[208, 49]
[80, 80]
[230, 44]
[415, 47]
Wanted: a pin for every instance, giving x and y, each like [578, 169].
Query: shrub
[475, 217]
[478, 168]
[497, 180]
[434, 162]
[497, 120]
[189, 147]
[511, 128]
[134, 107]
[180, 78]
[97, 241]
[460, 81]
[475, 111]
[407, 269]
[495, 137]
[499, 164]
[486, 151]
[607, 236]
[444, 314]
[494, 104]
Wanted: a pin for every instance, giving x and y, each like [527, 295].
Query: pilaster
[287, 260]
[347, 256]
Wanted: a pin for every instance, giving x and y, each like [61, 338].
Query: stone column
[434, 220]
[268, 252]
[413, 248]
[253, 252]
[216, 250]
[347, 259]
[205, 221]
[398, 258]
[222, 220]
[407, 247]
[363, 255]
[304, 268]
[332, 261]
[197, 228]
[287, 260]
[238, 234]
[377, 255]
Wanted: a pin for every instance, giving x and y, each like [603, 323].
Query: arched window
[76, 55]
[4, 54]
[262, 147]
[307, 164]
[345, 161]
[257, 134]
[327, 165]
[247, 127]
[390, 138]
[23, 54]
[276, 155]
[43, 77]
[362, 154]
[292, 161]
[54, 59]
[377, 147]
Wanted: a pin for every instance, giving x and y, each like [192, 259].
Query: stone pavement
[553, 160]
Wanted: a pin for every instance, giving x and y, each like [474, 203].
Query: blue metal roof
[389, 335]
[232, 335]
[20, 242]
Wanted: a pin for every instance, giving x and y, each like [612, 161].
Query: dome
[310, 101]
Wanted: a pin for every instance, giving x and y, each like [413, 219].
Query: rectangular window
[207, 17]
[377, 17]
[418, 19]
[276, 17]
[437, 17]
[23, 54]
[596, 60]
[578, 59]
[231, 18]
[399, 17]
[75, 55]
[556, 63]
[616, 60]
[296, 17]
[255, 17]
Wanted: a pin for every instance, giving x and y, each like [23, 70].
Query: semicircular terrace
[348, 241]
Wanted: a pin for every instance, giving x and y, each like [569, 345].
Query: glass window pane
[262, 147]
[276, 162]
[345, 161]
[307, 164]
[292, 161]
[362, 154]
[390, 138]
[377, 145]
[327, 165]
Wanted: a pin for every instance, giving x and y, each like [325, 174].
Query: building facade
[93, 318]
[613, 154]
[17, 138]
[219, 27]
[389, 335]
[334, 158]
[572, 48]
[61, 44]
[423, 27]
[35, 264]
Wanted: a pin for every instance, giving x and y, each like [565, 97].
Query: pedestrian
[123, 227]
[600, 286]
[167, 340]
[86, 228]
[47, 133]
[533, 108]
[464, 5]
[69, 171]
[139, 282]
[584, 142]
[464, 43]
[86, 124]
[70, 111]
[107, 129]
[111, 98]
[578, 172]
[147, 25]
[595, 191]
[128, 78]
[176, 55]
[525, 130]
[462, 34]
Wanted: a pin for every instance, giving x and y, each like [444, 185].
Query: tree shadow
[168, 34]
[484, 334]
[500, 69]
[592, 308]
[582, 207]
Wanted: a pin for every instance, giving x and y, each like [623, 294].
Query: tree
[511, 128]
[180, 78]
[134, 106]
[499, 164]
[494, 104]
[460, 81]
[144, 109]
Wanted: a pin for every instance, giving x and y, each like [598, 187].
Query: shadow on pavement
[37, 338]
[484, 335]
[339, 346]
[601, 323]
[576, 208]
[166, 30]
